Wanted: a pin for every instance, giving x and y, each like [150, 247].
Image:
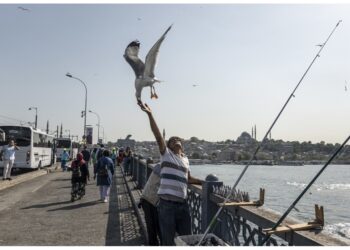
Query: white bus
[68, 144]
[35, 146]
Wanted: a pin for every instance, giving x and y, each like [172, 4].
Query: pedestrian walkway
[39, 212]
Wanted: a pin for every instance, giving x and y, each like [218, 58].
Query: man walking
[86, 155]
[9, 158]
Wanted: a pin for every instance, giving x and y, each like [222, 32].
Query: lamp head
[69, 75]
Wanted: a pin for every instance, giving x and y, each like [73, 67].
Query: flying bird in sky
[22, 8]
[144, 72]
[346, 83]
[195, 85]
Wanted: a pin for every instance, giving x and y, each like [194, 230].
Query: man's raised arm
[154, 127]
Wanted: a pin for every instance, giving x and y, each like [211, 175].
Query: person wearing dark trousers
[148, 201]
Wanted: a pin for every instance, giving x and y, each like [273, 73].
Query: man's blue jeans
[63, 165]
[173, 217]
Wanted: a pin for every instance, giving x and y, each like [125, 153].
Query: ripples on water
[283, 184]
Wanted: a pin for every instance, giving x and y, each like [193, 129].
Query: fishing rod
[304, 191]
[263, 140]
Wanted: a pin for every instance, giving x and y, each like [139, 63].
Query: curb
[27, 176]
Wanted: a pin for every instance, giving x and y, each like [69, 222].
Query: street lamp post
[36, 116]
[69, 75]
[98, 125]
[103, 133]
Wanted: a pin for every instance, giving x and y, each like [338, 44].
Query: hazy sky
[246, 60]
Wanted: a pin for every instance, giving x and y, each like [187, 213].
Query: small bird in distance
[346, 83]
[195, 85]
[22, 8]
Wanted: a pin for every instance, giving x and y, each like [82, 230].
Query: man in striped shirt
[174, 215]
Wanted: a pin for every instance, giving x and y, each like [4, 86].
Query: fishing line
[305, 190]
[263, 140]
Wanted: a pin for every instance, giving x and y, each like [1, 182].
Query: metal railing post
[209, 208]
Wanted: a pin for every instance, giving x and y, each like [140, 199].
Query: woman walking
[104, 172]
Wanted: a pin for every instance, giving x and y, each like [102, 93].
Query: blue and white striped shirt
[173, 176]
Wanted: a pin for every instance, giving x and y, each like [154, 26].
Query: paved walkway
[39, 212]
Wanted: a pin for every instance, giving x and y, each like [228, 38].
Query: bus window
[2, 135]
[63, 144]
[20, 135]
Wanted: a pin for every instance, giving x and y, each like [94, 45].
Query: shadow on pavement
[121, 233]
[113, 222]
[66, 179]
[47, 205]
[77, 205]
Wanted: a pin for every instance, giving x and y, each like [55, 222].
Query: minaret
[61, 130]
[255, 132]
[164, 134]
[57, 132]
[252, 132]
[47, 127]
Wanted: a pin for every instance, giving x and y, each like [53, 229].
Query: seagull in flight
[144, 72]
[195, 85]
[22, 8]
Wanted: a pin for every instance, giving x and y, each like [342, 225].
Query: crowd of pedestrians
[164, 197]
[103, 161]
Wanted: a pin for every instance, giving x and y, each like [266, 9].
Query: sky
[245, 58]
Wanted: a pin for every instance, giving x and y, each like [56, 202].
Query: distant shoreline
[263, 162]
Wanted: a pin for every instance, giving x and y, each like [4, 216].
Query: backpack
[103, 171]
[76, 171]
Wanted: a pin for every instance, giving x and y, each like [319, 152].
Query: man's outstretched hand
[144, 107]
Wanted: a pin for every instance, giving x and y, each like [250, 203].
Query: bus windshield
[63, 144]
[20, 135]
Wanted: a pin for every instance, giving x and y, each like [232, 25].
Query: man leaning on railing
[173, 210]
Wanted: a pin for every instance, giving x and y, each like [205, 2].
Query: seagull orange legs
[153, 93]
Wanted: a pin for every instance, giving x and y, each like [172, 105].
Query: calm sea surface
[284, 183]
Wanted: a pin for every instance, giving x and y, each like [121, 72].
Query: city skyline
[244, 61]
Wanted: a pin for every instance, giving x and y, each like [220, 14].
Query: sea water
[283, 184]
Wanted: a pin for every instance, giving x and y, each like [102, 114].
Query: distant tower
[57, 132]
[255, 132]
[47, 127]
[61, 130]
[164, 134]
[252, 132]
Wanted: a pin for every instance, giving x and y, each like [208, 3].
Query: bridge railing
[237, 225]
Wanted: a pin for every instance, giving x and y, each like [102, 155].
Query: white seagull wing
[131, 56]
[151, 58]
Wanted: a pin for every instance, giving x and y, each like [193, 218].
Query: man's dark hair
[106, 153]
[172, 139]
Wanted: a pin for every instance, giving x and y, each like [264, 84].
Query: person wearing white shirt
[173, 211]
[8, 155]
